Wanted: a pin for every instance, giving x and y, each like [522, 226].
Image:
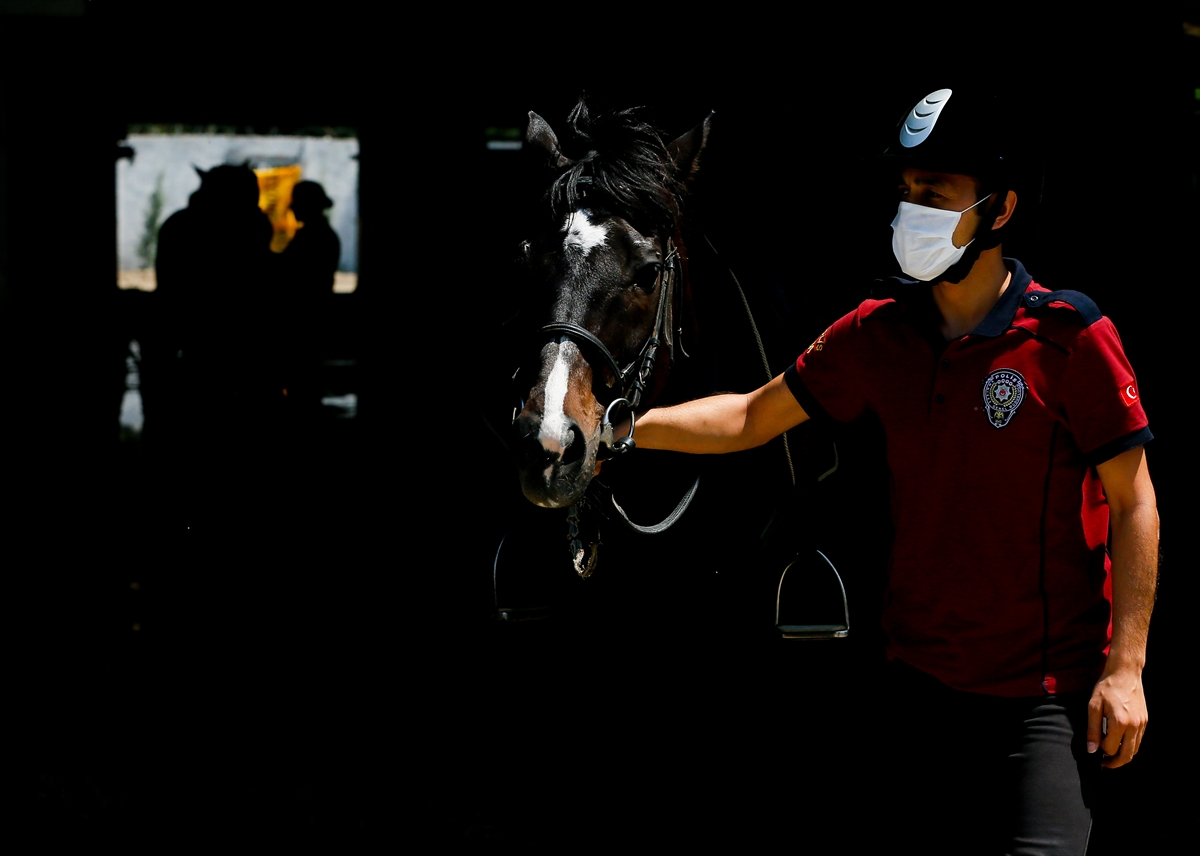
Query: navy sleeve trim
[1077, 300]
[810, 404]
[1110, 450]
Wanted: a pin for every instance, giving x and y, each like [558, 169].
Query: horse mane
[620, 162]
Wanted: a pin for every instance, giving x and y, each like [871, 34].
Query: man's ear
[1006, 211]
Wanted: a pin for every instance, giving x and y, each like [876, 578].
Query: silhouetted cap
[310, 194]
[228, 183]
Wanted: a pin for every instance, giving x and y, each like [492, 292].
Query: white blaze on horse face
[554, 416]
[582, 233]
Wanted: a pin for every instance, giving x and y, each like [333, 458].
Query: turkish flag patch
[1129, 394]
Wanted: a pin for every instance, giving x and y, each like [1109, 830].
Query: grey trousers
[982, 775]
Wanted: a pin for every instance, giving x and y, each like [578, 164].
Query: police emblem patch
[1003, 392]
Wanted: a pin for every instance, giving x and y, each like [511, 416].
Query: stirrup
[525, 603]
[536, 571]
[800, 618]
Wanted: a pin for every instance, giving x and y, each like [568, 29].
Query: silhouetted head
[227, 186]
[309, 197]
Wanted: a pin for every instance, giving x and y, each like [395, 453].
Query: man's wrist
[1118, 662]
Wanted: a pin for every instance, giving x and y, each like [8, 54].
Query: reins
[762, 353]
[626, 444]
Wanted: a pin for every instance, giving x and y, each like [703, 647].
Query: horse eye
[527, 256]
[646, 277]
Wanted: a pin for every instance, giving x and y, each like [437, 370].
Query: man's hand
[1118, 700]
[1118, 696]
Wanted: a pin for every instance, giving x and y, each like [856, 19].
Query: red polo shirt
[999, 575]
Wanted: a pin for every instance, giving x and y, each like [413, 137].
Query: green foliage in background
[148, 246]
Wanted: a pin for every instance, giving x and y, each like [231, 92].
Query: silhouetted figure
[311, 257]
[308, 267]
[209, 375]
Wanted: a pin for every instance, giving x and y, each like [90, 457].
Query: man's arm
[1118, 695]
[721, 423]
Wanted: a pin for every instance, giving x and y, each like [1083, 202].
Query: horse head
[609, 265]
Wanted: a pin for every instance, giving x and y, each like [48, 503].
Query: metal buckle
[625, 444]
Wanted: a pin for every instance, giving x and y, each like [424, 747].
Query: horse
[614, 256]
[627, 306]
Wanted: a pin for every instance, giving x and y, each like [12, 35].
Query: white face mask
[922, 239]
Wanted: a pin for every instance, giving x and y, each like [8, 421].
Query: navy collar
[916, 299]
[1001, 316]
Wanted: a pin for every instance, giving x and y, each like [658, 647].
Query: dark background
[315, 654]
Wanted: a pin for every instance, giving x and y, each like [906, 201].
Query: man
[312, 256]
[308, 267]
[1014, 434]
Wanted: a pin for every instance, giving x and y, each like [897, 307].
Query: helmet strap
[985, 239]
[989, 237]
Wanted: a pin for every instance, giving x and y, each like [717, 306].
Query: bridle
[631, 384]
[632, 381]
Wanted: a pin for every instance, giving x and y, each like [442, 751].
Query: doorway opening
[161, 175]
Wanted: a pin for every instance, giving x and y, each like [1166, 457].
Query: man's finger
[1095, 725]
[1124, 754]
[1116, 735]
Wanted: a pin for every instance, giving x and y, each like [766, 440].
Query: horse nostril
[538, 449]
[535, 454]
[575, 444]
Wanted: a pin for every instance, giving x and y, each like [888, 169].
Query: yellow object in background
[275, 199]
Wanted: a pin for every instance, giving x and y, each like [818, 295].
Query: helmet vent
[920, 121]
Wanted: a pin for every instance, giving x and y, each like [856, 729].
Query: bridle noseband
[632, 381]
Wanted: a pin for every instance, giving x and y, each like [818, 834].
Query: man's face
[948, 191]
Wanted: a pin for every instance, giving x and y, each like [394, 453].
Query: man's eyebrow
[931, 182]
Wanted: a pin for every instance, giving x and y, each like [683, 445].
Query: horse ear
[541, 136]
[685, 151]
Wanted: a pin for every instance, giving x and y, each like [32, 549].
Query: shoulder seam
[887, 304]
[1076, 300]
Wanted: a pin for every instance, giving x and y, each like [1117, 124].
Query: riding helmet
[955, 130]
